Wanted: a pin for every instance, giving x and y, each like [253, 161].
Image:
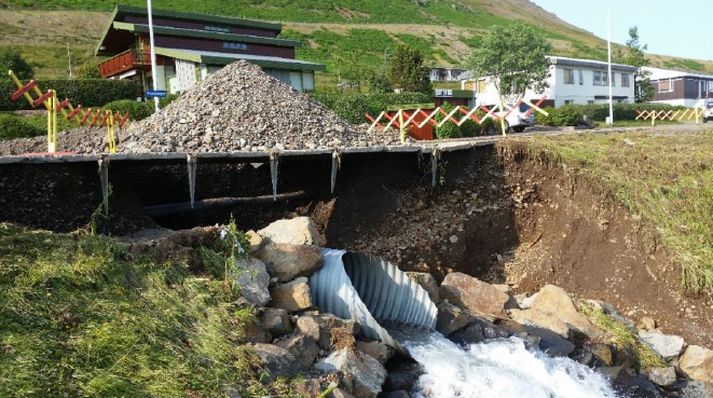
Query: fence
[671, 115]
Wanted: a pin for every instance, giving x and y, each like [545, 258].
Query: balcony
[123, 62]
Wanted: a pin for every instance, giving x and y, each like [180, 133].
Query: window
[234, 46]
[568, 102]
[710, 86]
[665, 86]
[569, 76]
[625, 80]
[590, 102]
[581, 77]
[600, 78]
[217, 29]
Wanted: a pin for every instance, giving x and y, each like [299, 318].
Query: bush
[137, 109]
[12, 60]
[570, 115]
[88, 92]
[448, 129]
[352, 107]
[15, 126]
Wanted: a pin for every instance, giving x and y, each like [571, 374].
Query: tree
[12, 60]
[407, 72]
[514, 58]
[87, 70]
[634, 56]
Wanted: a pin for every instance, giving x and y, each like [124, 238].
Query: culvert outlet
[370, 290]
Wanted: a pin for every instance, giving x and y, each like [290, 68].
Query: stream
[499, 369]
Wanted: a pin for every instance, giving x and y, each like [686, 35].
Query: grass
[624, 339]
[667, 180]
[81, 316]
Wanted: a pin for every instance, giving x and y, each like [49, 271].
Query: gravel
[242, 108]
[238, 108]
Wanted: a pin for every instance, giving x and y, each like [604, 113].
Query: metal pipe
[173, 208]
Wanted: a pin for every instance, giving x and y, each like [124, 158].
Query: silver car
[708, 111]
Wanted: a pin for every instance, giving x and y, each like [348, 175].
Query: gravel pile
[79, 140]
[242, 108]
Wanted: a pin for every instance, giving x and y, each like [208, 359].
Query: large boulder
[320, 328]
[697, 363]
[552, 308]
[548, 341]
[297, 231]
[279, 361]
[276, 321]
[377, 350]
[667, 345]
[303, 347]
[292, 296]
[475, 295]
[286, 261]
[664, 377]
[427, 282]
[452, 318]
[252, 280]
[478, 331]
[368, 374]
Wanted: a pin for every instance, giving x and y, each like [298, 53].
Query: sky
[680, 28]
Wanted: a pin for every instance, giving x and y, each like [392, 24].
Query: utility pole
[69, 61]
[153, 53]
[609, 74]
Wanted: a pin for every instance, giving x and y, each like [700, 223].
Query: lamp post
[153, 52]
[609, 74]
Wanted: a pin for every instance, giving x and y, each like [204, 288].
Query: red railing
[129, 59]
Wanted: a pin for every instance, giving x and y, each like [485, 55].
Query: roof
[218, 58]
[660, 73]
[588, 63]
[122, 11]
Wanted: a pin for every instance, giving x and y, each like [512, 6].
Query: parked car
[708, 111]
[517, 120]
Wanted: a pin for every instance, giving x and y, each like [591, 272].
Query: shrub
[137, 109]
[448, 129]
[88, 92]
[12, 60]
[15, 126]
[470, 128]
[352, 107]
[569, 115]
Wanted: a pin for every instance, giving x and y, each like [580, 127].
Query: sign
[156, 94]
[444, 93]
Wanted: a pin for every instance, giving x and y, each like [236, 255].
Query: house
[190, 46]
[570, 81]
[445, 74]
[680, 88]
[453, 97]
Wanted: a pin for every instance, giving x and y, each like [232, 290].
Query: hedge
[352, 107]
[88, 92]
[21, 126]
[571, 115]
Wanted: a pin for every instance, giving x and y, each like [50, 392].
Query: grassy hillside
[344, 34]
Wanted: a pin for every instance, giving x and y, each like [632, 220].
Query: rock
[253, 280]
[255, 241]
[395, 394]
[367, 372]
[478, 331]
[339, 393]
[668, 346]
[254, 333]
[697, 363]
[476, 296]
[279, 361]
[695, 389]
[403, 376]
[550, 342]
[646, 323]
[552, 308]
[664, 377]
[276, 321]
[303, 347]
[452, 318]
[428, 282]
[629, 384]
[286, 261]
[377, 350]
[320, 327]
[292, 296]
[602, 353]
[297, 231]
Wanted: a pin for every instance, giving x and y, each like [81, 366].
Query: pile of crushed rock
[239, 108]
[242, 108]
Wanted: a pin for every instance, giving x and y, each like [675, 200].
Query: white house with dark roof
[570, 81]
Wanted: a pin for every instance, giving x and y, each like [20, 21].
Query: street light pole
[609, 74]
[153, 53]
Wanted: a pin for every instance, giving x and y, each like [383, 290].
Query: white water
[500, 369]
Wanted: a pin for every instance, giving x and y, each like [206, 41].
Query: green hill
[350, 36]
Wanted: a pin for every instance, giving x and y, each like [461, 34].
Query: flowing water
[499, 369]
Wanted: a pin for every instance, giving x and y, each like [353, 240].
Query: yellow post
[699, 113]
[653, 118]
[401, 126]
[111, 141]
[502, 117]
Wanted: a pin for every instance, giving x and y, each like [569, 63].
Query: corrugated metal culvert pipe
[370, 290]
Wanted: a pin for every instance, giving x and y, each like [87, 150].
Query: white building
[675, 87]
[570, 81]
